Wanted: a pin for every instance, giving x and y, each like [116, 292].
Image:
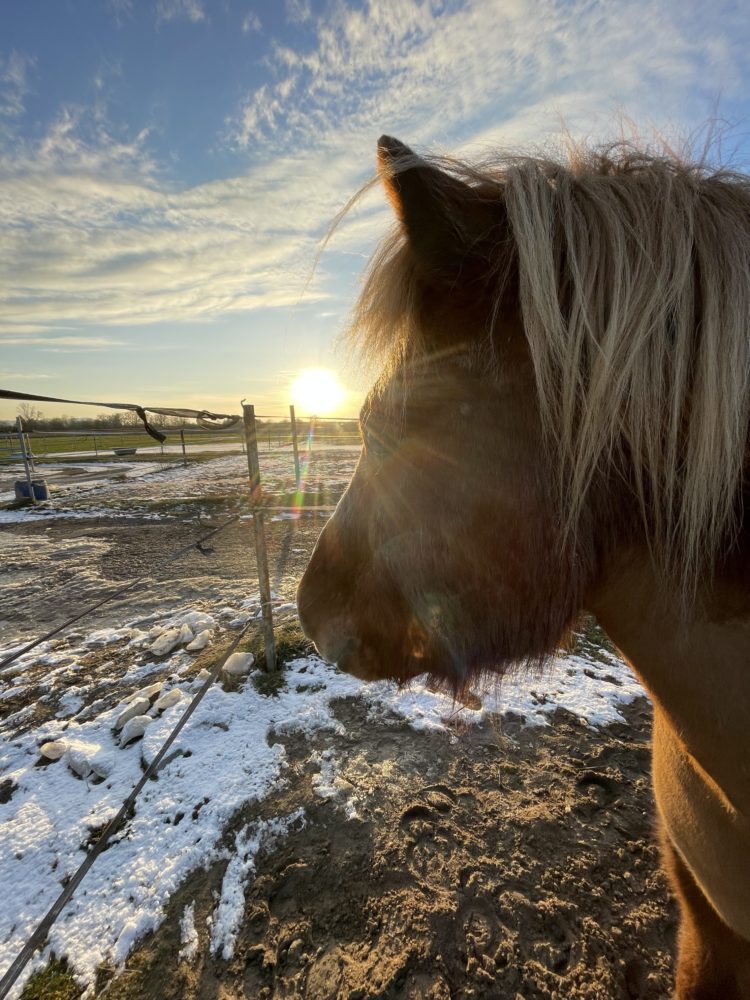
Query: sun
[317, 392]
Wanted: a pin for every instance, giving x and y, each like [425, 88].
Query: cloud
[29, 376]
[62, 343]
[14, 84]
[173, 10]
[251, 22]
[298, 11]
[94, 234]
[91, 234]
[440, 69]
[122, 10]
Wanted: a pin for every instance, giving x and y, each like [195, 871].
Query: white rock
[79, 762]
[53, 750]
[238, 664]
[166, 642]
[136, 707]
[151, 691]
[102, 763]
[200, 641]
[134, 728]
[168, 699]
[186, 634]
[197, 620]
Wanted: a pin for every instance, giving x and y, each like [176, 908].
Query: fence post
[19, 428]
[184, 453]
[256, 499]
[295, 444]
[29, 452]
[96, 447]
[311, 428]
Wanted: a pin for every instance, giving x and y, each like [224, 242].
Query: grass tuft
[53, 983]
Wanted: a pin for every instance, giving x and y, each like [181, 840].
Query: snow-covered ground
[77, 691]
[132, 489]
[55, 807]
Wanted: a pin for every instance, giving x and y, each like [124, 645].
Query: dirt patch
[497, 862]
[113, 552]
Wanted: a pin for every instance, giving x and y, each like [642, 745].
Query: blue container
[39, 486]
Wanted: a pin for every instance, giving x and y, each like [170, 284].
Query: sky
[169, 168]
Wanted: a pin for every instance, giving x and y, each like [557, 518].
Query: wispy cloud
[93, 233]
[90, 234]
[251, 22]
[122, 10]
[63, 341]
[14, 86]
[172, 10]
[298, 11]
[443, 67]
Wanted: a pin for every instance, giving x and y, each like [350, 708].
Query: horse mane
[634, 288]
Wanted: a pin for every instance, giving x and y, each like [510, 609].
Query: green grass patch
[590, 639]
[269, 684]
[291, 643]
[53, 983]
[53, 444]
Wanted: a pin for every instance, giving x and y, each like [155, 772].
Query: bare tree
[30, 415]
[128, 418]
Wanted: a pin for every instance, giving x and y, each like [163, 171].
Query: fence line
[116, 593]
[261, 557]
[40, 933]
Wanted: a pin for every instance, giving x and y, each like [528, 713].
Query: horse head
[447, 553]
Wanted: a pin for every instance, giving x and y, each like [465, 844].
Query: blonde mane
[634, 287]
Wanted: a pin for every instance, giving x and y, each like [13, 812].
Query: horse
[560, 427]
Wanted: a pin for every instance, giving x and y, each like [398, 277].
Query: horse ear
[445, 220]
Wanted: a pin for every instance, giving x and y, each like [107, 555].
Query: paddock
[311, 836]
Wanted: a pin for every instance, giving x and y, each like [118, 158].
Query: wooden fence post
[184, 453]
[30, 453]
[261, 555]
[295, 445]
[19, 428]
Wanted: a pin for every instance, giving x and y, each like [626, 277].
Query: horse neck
[696, 667]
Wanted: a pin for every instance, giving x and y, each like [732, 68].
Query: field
[272, 433]
[310, 836]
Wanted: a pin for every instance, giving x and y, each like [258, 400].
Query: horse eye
[378, 442]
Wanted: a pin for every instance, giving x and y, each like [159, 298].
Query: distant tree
[30, 414]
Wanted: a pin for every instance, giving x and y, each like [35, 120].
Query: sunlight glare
[317, 392]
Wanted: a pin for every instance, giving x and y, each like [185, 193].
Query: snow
[132, 490]
[188, 934]
[227, 758]
[54, 809]
[227, 917]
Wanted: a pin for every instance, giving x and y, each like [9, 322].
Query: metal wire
[43, 927]
[116, 593]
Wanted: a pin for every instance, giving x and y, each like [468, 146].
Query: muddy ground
[491, 862]
[495, 862]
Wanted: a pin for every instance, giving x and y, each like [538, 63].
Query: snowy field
[86, 711]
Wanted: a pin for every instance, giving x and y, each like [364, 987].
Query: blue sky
[169, 167]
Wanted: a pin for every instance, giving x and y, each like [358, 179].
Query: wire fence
[298, 437]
